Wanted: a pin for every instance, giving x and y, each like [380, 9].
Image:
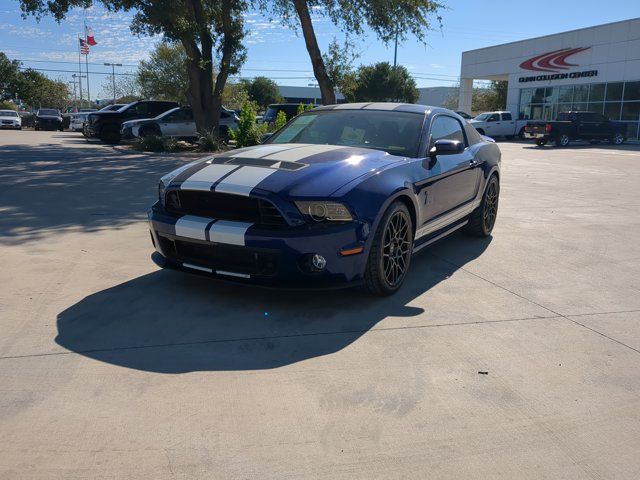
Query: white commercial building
[595, 69]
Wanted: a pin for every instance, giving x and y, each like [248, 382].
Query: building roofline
[551, 35]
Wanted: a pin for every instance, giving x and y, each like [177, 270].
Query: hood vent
[259, 162]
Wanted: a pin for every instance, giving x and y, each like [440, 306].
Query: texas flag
[89, 34]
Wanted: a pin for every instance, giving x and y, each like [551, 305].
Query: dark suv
[105, 125]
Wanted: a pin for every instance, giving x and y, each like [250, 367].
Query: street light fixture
[113, 77]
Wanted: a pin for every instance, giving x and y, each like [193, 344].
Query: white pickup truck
[499, 124]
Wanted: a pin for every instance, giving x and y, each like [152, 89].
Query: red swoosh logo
[552, 61]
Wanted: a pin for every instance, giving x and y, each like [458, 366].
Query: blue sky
[278, 52]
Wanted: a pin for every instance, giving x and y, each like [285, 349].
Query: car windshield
[397, 133]
[482, 117]
[47, 111]
[8, 113]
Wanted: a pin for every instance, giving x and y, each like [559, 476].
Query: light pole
[113, 77]
[79, 77]
[75, 97]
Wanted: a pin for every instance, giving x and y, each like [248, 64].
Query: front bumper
[240, 252]
[10, 126]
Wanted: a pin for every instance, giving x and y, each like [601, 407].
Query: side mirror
[446, 147]
[265, 137]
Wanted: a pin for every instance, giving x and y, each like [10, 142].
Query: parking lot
[516, 357]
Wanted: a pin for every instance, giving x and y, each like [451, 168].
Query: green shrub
[303, 108]
[209, 141]
[7, 105]
[281, 120]
[249, 132]
[156, 144]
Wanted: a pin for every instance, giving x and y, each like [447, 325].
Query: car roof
[388, 106]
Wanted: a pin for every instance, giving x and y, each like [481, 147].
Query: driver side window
[445, 127]
[494, 118]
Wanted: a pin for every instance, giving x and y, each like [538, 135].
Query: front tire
[391, 251]
[110, 134]
[483, 219]
[541, 142]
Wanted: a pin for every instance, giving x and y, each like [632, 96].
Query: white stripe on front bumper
[224, 231]
[191, 226]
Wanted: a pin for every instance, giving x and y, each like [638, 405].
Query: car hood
[6, 117]
[137, 121]
[288, 170]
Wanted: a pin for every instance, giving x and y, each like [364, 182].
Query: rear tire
[391, 251]
[617, 138]
[562, 141]
[110, 134]
[483, 219]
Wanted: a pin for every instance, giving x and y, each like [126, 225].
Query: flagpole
[86, 58]
[79, 69]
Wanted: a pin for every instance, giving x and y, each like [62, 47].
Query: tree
[383, 83]
[383, 17]
[36, 90]
[127, 88]
[235, 95]
[9, 73]
[201, 26]
[339, 61]
[263, 91]
[164, 75]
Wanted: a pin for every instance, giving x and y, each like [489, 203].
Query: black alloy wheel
[391, 251]
[483, 219]
[490, 210]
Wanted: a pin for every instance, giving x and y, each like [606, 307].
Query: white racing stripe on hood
[298, 154]
[244, 180]
[205, 178]
[260, 152]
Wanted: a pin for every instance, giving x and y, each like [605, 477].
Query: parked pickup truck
[498, 124]
[571, 126]
[105, 125]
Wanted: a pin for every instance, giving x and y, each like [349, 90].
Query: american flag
[84, 48]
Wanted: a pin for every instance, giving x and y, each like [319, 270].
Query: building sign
[559, 76]
[554, 62]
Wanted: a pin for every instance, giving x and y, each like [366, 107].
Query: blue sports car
[342, 195]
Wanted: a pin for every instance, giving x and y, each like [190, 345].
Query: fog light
[318, 261]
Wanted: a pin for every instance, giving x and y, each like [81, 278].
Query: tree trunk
[200, 69]
[326, 89]
[228, 47]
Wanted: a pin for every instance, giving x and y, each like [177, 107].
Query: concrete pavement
[110, 368]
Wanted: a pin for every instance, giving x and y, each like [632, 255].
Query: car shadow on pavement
[56, 187]
[173, 322]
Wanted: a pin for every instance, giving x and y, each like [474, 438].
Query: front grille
[218, 256]
[223, 206]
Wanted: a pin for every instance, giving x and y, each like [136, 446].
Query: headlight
[319, 211]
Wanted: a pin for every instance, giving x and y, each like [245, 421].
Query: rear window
[48, 111]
